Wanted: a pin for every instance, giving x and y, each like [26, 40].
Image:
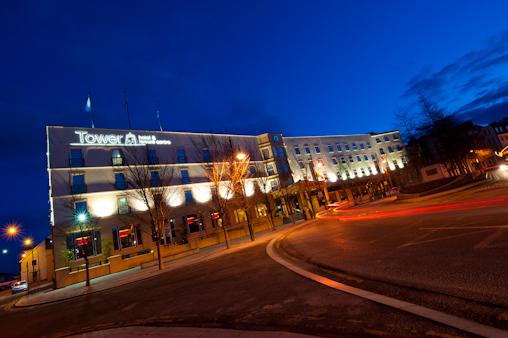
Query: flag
[88, 107]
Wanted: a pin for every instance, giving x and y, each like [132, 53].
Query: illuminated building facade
[88, 171]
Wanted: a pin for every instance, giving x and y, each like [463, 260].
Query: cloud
[473, 83]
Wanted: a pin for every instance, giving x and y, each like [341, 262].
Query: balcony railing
[79, 188]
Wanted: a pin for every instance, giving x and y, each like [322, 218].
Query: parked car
[19, 286]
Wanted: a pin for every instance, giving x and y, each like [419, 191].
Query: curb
[404, 197]
[418, 310]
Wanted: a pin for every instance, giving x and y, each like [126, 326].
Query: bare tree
[150, 185]
[265, 187]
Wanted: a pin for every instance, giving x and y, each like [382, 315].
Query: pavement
[136, 274]
[448, 253]
[186, 332]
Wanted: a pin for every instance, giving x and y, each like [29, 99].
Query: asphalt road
[448, 252]
[243, 290]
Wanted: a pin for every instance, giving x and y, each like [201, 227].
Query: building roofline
[156, 131]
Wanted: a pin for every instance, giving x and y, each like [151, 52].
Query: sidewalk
[187, 332]
[137, 274]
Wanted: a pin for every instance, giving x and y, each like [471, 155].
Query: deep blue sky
[296, 67]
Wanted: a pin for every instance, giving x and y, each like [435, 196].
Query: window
[155, 179]
[301, 165]
[269, 169]
[194, 223]
[116, 157]
[355, 173]
[282, 153]
[368, 145]
[80, 207]
[127, 236]
[76, 158]
[152, 156]
[386, 138]
[84, 241]
[78, 184]
[297, 151]
[185, 176]
[381, 151]
[252, 170]
[378, 140]
[307, 150]
[362, 146]
[372, 157]
[395, 136]
[189, 199]
[342, 159]
[399, 148]
[354, 146]
[319, 163]
[276, 138]
[206, 156]
[123, 205]
[363, 171]
[274, 184]
[279, 169]
[365, 158]
[316, 148]
[181, 156]
[395, 164]
[390, 149]
[350, 158]
[346, 146]
[370, 170]
[339, 148]
[358, 158]
[334, 161]
[261, 210]
[404, 161]
[266, 153]
[330, 149]
[120, 181]
[240, 215]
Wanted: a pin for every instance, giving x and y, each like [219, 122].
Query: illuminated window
[368, 145]
[342, 159]
[355, 173]
[155, 179]
[350, 158]
[339, 148]
[346, 146]
[127, 236]
[276, 138]
[80, 207]
[78, 184]
[334, 161]
[282, 153]
[297, 151]
[76, 158]
[274, 151]
[365, 158]
[120, 181]
[307, 150]
[116, 157]
[354, 146]
[363, 171]
[152, 156]
[185, 176]
[123, 205]
[266, 153]
[372, 157]
[362, 146]
[261, 210]
[270, 170]
[358, 158]
[317, 149]
[194, 223]
[181, 156]
[330, 149]
[274, 184]
[319, 163]
[390, 149]
[240, 215]
[370, 170]
[84, 242]
[381, 151]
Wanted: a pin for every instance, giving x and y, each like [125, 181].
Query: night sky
[296, 67]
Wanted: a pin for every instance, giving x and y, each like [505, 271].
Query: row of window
[343, 160]
[76, 158]
[390, 149]
[386, 138]
[331, 149]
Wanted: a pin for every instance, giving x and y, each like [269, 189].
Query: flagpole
[126, 107]
[158, 117]
[89, 107]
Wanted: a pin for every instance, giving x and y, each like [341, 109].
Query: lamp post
[28, 244]
[82, 219]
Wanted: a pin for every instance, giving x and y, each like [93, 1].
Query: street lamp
[12, 230]
[27, 242]
[240, 156]
[5, 251]
[82, 217]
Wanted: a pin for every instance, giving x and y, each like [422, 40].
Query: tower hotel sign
[125, 140]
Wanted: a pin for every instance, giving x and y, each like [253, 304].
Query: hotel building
[88, 170]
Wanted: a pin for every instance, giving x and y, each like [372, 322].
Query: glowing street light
[5, 251]
[27, 241]
[82, 217]
[11, 230]
[241, 156]
[23, 255]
